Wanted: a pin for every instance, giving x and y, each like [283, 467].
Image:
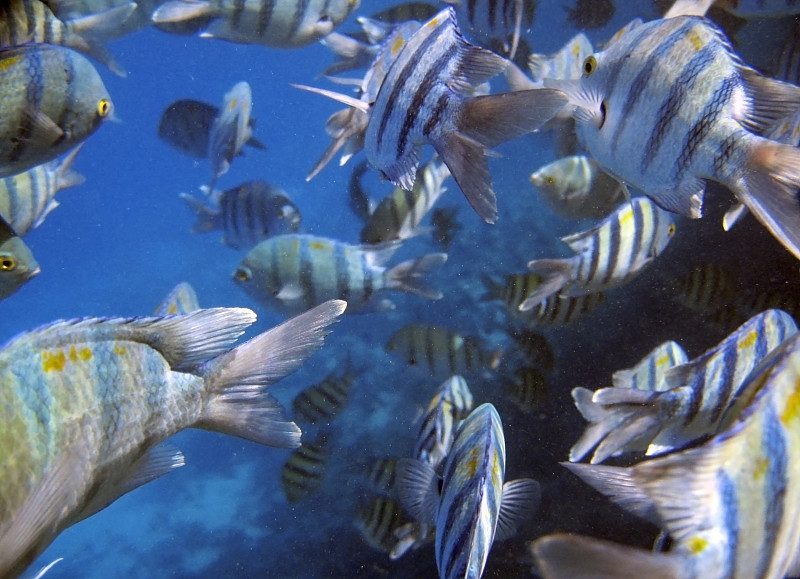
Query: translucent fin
[556, 273]
[407, 276]
[182, 10]
[342, 98]
[771, 100]
[207, 217]
[521, 498]
[466, 159]
[417, 485]
[686, 199]
[65, 176]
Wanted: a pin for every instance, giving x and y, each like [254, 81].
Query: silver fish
[675, 85]
[17, 264]
[111, 389]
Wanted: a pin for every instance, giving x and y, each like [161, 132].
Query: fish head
[17, 266]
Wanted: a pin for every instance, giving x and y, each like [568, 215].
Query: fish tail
[206, 216]
[771, 190]
[555, 273]
[407, 276]
[485, 122]
[237, 380]
[65, 175]
[182, 10]
[565, 555]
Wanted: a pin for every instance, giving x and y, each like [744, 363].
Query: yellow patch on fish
[73, 354]
[7, 63]
[697, 545]
[761, 468]
[626, 215]
[695, 40]
[662, 360]
[576, 50]
[172, 309]
[85, 354]
[120, 351]
[398, 44]
[792, 410]
[433, 22]
[53, 361]
[496, 480]
[748, 341]
[472, 463]
[318, 245]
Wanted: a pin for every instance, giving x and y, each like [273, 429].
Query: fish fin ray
[417, 488]
[183, 10]
[771, 99]
[407, 276]
[466, 159]
[555, 273]
[686, 199]
[521, 498]
[342, 98]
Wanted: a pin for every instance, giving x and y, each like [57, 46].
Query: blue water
[121, 241]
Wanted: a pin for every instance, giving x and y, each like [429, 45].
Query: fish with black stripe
[441, 351]
[325, 400]
[246, 214]
[377, 520]
[709, 287]
[669, 105]
[32, 21]
[607, 255]
[475, 506]
[731, 506]
[51, 99]
[275, 23]
[290, 272]
[28, 197]
[304, 471]
[496, 20]
[17, 264]
[560, 310]
[687, 404]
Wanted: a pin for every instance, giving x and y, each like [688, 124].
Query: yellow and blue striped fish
[649, 373]
[86, 401]
[28, 197]
[51, 99]
[276, 23]
[295, 271]
[475, 505]
[230, 130]
[565, 64]
[451, 404]
[730, 506]
[425, 98]
[689, 402]
[669, 104]
[608, 255]
[17, 264]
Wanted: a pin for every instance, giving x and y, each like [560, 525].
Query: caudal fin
[555, 274]
[771, 190]
[239, 404]
[407, 276]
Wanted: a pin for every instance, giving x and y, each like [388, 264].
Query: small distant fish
[358, 199]
[114, 388]
[17, 264]
[690, 401]
[730, 506]
[325, 400]
[419, 11]
[559, 310]
[707, 288]
[512, 291]
[380, 475]
[398, 216]
[445, 226]
[441, 351]
[608, 255]
[246, 214]
[475, 506]
[450, 405]
[565, 64]
[275, 23]
[32, 21]
[377, 519]
[27, 198]
[181, 300]
[502, 20]
[186, 125]
[590, 14]
[230, 130]
[51, 99]
[304, 471]
[528, 389]
[576, 188]
[295, 271]
[669, 104]
[535, 348]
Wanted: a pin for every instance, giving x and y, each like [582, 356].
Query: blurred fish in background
[17, 264]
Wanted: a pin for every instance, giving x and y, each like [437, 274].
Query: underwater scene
[539, 262]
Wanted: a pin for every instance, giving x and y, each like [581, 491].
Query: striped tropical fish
[649, 373]
[230, 130]
[107, 19]
[669, 105]
[475, 506]
[576, 188]
[690, 401]
[28, 197]
[325, 400]
[425, 98]
[246, 214]
[292, 272]
[17, 264]
[398, 216]
[564, 64]
[32, 21]
[608, 255]
[182, 299]
[527, 389]
[304, 471]
[51, 99]
[496, 21]
[731, 506]
[110, 389]
[441, 351]
[451, 404]
[276, 23]
[708, 287]
[560, 310]
[378, 519]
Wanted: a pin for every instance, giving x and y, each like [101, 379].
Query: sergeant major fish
[475, 506]
[608, 255]
[52, 100]
[276, 23]
[230, 130]
[294, 271]
[731, 506]
[676, 85]
[108, 390]
[17, 264]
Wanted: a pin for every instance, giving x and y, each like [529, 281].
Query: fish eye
[242, 274]
[671, 229]
[589, 65]
[103, 107]
[7, 263]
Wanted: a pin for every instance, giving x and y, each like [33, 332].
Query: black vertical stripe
[341, 265]
[297, 18]
[614, 249]
[265, 11]
[773, 443]
[306, 272]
